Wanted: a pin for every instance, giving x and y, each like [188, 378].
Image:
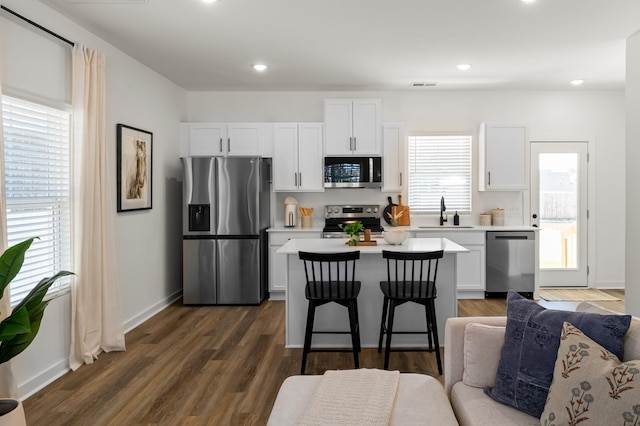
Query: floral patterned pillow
[590, 385]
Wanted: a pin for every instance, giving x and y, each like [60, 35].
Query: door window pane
[558, 210]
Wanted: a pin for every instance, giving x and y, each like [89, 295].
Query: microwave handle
[370, 169]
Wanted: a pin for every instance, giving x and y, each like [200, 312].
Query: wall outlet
[512, 211]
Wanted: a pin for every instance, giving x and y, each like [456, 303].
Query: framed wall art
[135, 148]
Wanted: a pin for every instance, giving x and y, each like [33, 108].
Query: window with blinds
[37, 184]
[440, 166]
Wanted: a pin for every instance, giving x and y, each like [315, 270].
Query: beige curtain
[95, 300]
[7, 382]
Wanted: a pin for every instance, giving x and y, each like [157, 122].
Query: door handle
[489, 183]
[300, 178]
[295, 179]
[400, 178]
[220, 144]
[355, 144]
[228, 144]
[534, 225]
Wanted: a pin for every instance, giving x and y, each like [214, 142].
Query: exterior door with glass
[559, 209]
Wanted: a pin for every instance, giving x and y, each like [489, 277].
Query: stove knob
[375, 210]
[368, 210]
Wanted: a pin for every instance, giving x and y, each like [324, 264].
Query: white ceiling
[369, 44]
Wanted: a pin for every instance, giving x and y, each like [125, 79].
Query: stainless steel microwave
[353, 172]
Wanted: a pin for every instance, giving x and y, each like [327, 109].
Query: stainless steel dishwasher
[510, 259]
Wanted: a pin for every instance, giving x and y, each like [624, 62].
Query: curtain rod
[46, 30]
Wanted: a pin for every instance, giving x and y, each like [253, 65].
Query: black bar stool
[331, 278]
[411, 277]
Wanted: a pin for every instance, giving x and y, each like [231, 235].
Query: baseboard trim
[470, 294]
[43, 379]
[153, 310]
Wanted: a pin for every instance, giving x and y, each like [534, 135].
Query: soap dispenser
[456, 219]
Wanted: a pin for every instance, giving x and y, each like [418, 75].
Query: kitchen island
[371, 268]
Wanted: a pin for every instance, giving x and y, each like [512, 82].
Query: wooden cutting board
[405, 219]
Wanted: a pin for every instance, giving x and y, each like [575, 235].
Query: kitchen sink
[446, 227]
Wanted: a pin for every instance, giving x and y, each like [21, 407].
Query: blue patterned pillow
[530, 349]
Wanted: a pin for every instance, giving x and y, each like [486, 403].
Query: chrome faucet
[443, 219]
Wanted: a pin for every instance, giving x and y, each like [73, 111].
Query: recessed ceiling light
[463, 67]
[260, 67]
[209, 1]
[577, 82]
[527, 1]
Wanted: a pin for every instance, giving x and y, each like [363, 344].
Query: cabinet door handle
[400, 178]
[355, 144]
[228, 144]
[295, 179]
[300, 178]
[220, 144]
[489, 183]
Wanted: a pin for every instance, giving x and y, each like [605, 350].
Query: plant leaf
[17, 323]
[37, 293]
[11, 261]
[12, 347]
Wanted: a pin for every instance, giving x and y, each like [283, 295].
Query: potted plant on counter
[353, 230]
[18, 329]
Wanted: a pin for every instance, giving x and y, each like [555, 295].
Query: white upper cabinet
[297, 157]
[503, 157]
[225, 139]
[392, 157]
[202, 139]
[352, 126]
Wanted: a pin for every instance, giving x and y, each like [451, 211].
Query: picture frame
[134, 168]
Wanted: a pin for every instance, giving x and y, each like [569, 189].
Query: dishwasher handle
[505, 235]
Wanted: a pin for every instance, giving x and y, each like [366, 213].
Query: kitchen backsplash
[512, 202]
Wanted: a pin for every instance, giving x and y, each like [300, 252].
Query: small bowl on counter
[395, 236]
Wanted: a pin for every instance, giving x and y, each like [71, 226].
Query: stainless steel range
[334, 216]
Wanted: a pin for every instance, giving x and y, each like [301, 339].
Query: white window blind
[440, 166]
[37, 184]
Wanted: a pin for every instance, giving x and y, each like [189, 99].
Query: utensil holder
[305, 222]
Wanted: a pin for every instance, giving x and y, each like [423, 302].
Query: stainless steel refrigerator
[225, 217]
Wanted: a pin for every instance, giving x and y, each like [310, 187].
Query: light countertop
[333, 245]
[281, 228]
[417, 228]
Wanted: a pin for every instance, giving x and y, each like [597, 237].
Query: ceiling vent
[422, 84]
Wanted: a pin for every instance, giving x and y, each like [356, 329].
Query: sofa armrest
[454, 346]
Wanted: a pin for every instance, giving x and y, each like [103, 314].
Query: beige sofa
[469, 364]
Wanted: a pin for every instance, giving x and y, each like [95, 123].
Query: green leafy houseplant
[18, 330]
[353, 230]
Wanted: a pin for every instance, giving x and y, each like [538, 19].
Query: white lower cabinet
[278, 262]
[470, 268]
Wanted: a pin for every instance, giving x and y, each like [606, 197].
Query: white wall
[632, 246]
[148, 242]
[596, 116]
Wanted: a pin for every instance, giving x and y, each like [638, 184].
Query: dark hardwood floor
[203, 365]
